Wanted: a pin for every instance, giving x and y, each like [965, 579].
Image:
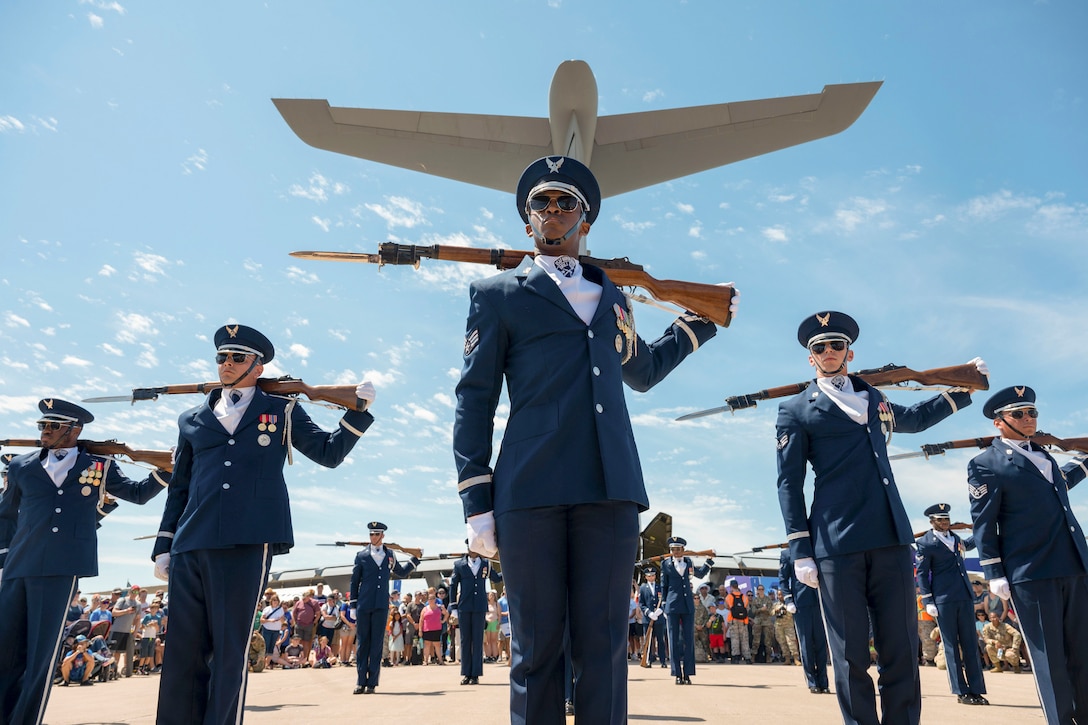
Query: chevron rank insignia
[783, 440]
[977, 492]
[472, 340]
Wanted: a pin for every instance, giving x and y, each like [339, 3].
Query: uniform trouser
[369, 640]
[958, 635]
[876, 584]
[471, 626]
[812, 641]
[929, 647]
[739, 646]
[763, 634]
[1053, 616]
[681, 643]
[785, 633]
[34, 610]
[1009, 654]
[660, 639]
[213, 597]
[561, 559]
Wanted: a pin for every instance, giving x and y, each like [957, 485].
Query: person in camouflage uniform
[702, 637]
[762, 624]
[1002, 643]
[785, 632]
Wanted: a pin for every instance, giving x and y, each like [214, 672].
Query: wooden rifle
[162, 460]
[416, 553]
[652, 559]
[956, 376]
[342, 396]
[706, 300]
[1043, 439]
[958, 526]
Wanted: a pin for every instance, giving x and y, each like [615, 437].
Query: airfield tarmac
[407, 693]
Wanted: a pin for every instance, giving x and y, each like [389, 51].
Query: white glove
[791, 608]
[1, 574]
[654, 615]
[806, 572]
[481, 535]
[980, 365]
[1000, 587]
[735, 302]
[658, 612]
[365, 391]
[931, 610]
[162, 567]
[353, 612]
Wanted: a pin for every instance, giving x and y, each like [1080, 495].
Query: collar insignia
[553, 166]
[824, 320]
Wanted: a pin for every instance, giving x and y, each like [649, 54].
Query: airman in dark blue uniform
[369, 596]
[803, 602]
[567, 488]
[227, 513]
[677, 572]
[1032, 548]
[649, 601]
[468, 594]
[948, 597]
[48, 519]
[855, 538]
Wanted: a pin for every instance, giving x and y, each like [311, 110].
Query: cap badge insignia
[48, 403]
[1019, 392]
[232, 331]
[824, 320]
[553, 166]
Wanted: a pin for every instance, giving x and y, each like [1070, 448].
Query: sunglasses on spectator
[52, 425]
[1018, 414]
[817, 348]
[238, 357]
[565, 202]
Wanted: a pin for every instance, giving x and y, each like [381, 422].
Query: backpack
[737, 610]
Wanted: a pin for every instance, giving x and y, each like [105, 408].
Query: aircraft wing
[489, 151]
[640, 149]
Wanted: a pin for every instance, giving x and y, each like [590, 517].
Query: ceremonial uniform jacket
[794, 590]
[228, 489]
[855, 502]
[568, 437]
[52, 531]
[469, 590]
[1024, 526]
[942, 575]
[648, 599]
[370, 580]
[676, 587]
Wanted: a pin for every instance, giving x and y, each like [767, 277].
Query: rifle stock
[706, 300]
[341, 395]
[159, 459]
[1044, 439]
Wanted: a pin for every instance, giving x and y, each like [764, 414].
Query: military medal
[264, 439]
[625, 322]
[86, 490]
[267, 422]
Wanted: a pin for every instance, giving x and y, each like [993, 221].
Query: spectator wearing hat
[48, 521]
[854, 542]
[947, 596]
[369, 598]
[701, 616]
[759, 611]
[649, 600]
[1032, 549]
[468, 596]
[227, 513]
[677, 572]
[77, 665]
[737, 606]
[126, 616]
[566, 490]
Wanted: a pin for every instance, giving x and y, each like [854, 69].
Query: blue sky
[151, 192]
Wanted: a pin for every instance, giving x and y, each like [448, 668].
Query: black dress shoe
[359, 690]
[687, 680]
[466, 680]
[980, 700]
[970, 699]
[814, 690]
[825, 690]
[679, 680]
[475, 681]
[663, 664]
[370, 690]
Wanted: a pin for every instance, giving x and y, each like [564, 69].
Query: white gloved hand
[659, 611]
[162, 567]
[1000, 587]
[806, 572]
[931, 610]
[365, 391]
[980, 365]
[481, 535]
[353, 612]
[654, 615]
[735, 302]
[791, 608]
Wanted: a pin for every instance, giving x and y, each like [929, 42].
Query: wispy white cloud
[655, 95]
[107, 271]
[296, 274]
[775, 234]
[13, 320]
[632, 226]
[95, 20]
[134, 327]
[76, 361]
[196, 162]
[685, 208]
[993, 206]
[151, 263]
[399, 211]
[323, 223]
[10, 124]
[318, 188]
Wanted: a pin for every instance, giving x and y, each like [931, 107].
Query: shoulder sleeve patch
[472, 340]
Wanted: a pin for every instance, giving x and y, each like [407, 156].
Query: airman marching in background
[1032, 549]
[48, 519]
[468, 594]
[677, 571]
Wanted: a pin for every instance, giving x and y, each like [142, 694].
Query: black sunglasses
[238, 357]
[817, 348]
[565, 202]
[1018, 414]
